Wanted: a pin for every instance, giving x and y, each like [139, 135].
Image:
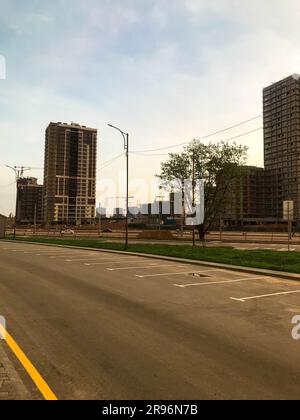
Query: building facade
[2, 226]
[29, 202]
[281, 107]
[70, 174]
[248, 197]
[260, 192]
[119, 213]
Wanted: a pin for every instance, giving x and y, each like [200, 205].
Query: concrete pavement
[106, 326]
[11, 384]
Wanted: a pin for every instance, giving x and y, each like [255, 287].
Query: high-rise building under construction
[281, 102]
[70, 174]
[29, 201]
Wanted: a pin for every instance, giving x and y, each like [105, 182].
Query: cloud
[38, 17]
[164, 71]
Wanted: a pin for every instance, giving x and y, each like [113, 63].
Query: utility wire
[148, 154]
[200, 138]
[111, 161]
[227, 140]
[244, 134]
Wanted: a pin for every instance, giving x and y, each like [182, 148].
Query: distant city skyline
[166, 73]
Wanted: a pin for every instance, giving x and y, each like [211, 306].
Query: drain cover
[197, 275]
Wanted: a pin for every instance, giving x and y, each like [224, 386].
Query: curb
[248, 270]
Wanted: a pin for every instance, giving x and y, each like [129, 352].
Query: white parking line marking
[65, 251]
[32, 251]
[173, 274]
[63, 255]
[22, 249]
[54, 254]
[115, 261]
[49, 252]
[135, 268]
[16, 250]
[265, 296]
[183, 286]
[84, 259]
[45, 251]
[89, 259]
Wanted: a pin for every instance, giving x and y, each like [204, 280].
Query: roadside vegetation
[220, 167]
[266, 259]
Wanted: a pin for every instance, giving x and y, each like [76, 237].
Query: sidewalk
[11, 386]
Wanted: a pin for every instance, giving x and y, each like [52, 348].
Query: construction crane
[19, 170]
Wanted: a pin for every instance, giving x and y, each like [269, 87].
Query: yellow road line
[28, 366]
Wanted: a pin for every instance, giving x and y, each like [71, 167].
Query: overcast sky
[166, 71]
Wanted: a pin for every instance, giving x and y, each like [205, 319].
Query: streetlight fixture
[126, 148]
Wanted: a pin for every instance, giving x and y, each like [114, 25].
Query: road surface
[100, 325]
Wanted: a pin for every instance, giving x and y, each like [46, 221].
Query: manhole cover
[197, 275]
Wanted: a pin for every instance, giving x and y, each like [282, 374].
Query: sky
[165, 71]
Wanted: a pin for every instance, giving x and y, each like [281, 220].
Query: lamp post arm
[124, 135]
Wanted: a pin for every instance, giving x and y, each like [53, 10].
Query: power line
[227, 140]
[110, 162]
[201, 138]
[244, 134]
[149, 154]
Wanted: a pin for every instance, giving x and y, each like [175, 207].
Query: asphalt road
[98, 325]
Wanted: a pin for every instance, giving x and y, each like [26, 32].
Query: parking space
[188, 279]
[134, 315]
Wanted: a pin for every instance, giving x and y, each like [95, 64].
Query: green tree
[219, 165]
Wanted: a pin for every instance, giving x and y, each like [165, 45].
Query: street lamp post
[126, 148]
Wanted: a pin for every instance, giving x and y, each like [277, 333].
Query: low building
[167, 212]
[119, 213]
